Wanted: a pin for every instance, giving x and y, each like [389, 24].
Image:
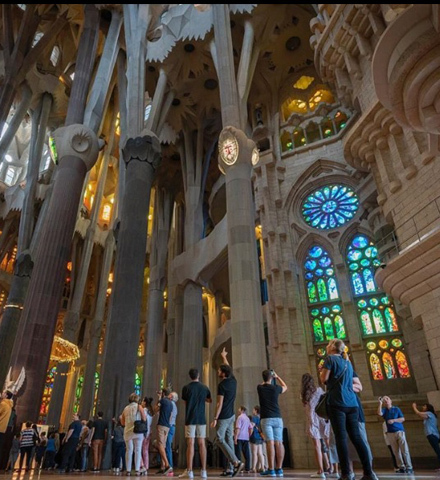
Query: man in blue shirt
[394, 419]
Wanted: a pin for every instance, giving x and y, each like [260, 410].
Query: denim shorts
[272, 429]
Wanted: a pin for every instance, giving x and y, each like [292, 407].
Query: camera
[272, 372]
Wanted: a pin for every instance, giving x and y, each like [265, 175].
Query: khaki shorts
[162, 434]
[195, 431]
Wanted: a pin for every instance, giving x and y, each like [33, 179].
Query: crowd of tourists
[250, 443]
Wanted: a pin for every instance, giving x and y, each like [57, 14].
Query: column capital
[145, 148]
[77, 141]
[235, 147]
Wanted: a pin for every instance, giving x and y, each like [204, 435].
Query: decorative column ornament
[77, 148]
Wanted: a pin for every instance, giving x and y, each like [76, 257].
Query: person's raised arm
[281, 381]
[224, 355]
[379, 408]
[423, 415]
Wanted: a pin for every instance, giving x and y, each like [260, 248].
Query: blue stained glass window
[333, 289]
[321, 284]
[369, 280]
[330, 207]
[357, 284]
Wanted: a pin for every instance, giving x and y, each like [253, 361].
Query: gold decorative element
[63, 351]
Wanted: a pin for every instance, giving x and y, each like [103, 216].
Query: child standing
[13, 453]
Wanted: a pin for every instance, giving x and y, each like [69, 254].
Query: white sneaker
[203, 474]
[187, 474]
[318, 475]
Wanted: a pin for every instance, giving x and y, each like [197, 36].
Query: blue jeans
[434, 442]
[168, 449]
[84, 457]
[272, 429]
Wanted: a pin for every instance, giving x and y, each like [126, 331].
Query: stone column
[87, 396]
[191, 331]
[20, 282]
[15, 122]
[71, 319]
[77, 149]
[142, 157]
[248, 346]
[158, 256]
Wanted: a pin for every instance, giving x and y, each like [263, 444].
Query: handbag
[140, 426]
[321, 406]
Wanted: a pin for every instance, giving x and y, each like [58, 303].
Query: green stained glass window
[317, 331]
[375, 310]
[329, 207]
[137, 383]
[328, 328]
[322, 289]
[78, 393]
[96, 389]
[340, 327]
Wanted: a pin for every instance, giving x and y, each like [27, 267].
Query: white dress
[316, 427]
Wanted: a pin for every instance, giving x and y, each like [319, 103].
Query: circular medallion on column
[228, 147]
[255, 156]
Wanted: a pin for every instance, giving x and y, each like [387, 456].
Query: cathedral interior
[261, 178]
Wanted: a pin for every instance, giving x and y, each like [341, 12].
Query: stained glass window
[322, 289]
[320, 276]
[330, 207]
[388, 359]
[96, 389]
[137, 383]
[78, 392]
[375, 310]
[47, 393]
[376, 368]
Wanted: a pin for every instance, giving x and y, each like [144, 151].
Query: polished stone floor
[288, 473]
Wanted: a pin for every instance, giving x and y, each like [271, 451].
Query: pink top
[243, 424]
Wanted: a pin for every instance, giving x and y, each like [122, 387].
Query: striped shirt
[27, 438]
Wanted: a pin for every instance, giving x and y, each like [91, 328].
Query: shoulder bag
[140, 426]
[321, 406]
